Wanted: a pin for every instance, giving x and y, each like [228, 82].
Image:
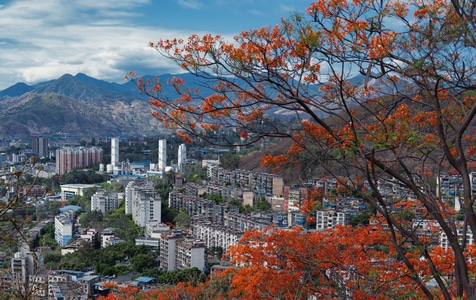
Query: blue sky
[42, 40]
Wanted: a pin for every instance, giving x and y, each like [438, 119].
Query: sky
[105, 39]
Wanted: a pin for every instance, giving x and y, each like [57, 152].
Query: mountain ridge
[78, 105]
[86, 107]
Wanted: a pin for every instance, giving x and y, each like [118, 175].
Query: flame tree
[410, 118]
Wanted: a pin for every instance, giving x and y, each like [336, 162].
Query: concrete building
[69, 158]
[143, 202]
[70, 190]
[104, 200]
[244, 222]
[154, 229]
[294, 195]
[108, 238]
[177, 251]
[193, 205]
[91, 236]
[190, 254]
[115, 154]
[168, 243]
[328, 219]
[450, 188]
[182, 158]
[39, 146]
[64, 226]
[24, 264]
[215, 235]
[162, 162]
[262, 184]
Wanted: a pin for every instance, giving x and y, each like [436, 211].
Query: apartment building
[108, 238]
[182, 158]
[104, 200]
[154, 229]
[91, 236]
[178, 251]
[193, 205]
[215, 235]
[24, 264]
[328, 219]
[450, 188]
[243, 222]
[261, 183]
[39, 146]
[468, 238]
[142, 202]
[168, 246]
[219, 176]
[221, 210]
[195, 189]
[190, 254]
[295, 195]
[64, 226]
[69, 158]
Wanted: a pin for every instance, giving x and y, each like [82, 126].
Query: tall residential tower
[182, 157]
[162, 155]
[115, 153]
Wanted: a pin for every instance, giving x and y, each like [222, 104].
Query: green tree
[142, 262]
[217, 198]
[230, 160]
[183, 219]
[360, 218]
[263, 205]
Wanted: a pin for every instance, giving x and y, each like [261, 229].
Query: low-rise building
[328, 219]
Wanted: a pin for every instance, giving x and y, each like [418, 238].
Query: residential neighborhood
[215, 217]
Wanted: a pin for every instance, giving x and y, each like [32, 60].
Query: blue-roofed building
[69, 207]
[146, 279]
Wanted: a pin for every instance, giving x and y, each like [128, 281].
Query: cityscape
[266, 150]
[212, 224]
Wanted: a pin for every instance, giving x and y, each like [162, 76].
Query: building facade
[64, 225]
[328, 219]
[39, 146]
[177, 251]
[104, 200]
[69, 158]
[143, 202]
[115, 153]
[162, 162]
[182, 158]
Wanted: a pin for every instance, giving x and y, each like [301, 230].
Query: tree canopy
[404, 122]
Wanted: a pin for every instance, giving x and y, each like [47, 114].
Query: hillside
[79, 106]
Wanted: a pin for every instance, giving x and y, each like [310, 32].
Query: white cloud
[42, 41]
[193, 4]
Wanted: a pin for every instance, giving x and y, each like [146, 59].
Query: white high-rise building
[115, 153]
[182, 157]
[162, 155]
[64, 226]
[142, 202]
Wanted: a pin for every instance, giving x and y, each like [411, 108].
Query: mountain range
[83, 107]
[79, 106]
